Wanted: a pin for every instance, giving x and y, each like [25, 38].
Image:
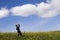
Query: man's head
[16, 26]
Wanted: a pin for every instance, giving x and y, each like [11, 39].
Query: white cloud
[49, 9]
[44, 10]
[24, 10]
[4, 12]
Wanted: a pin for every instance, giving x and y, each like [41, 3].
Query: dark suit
[18, 30]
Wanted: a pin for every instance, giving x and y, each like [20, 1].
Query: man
[18, 30]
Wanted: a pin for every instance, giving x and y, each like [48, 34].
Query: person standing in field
[18, 30]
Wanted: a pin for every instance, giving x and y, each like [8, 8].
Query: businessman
[18, 30]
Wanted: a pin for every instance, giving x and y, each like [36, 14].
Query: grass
[31, 36]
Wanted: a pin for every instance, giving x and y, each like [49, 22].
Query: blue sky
[41, 21]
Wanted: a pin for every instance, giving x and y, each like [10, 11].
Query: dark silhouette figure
[18, 30]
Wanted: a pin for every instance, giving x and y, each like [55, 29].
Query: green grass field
[31, 36]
